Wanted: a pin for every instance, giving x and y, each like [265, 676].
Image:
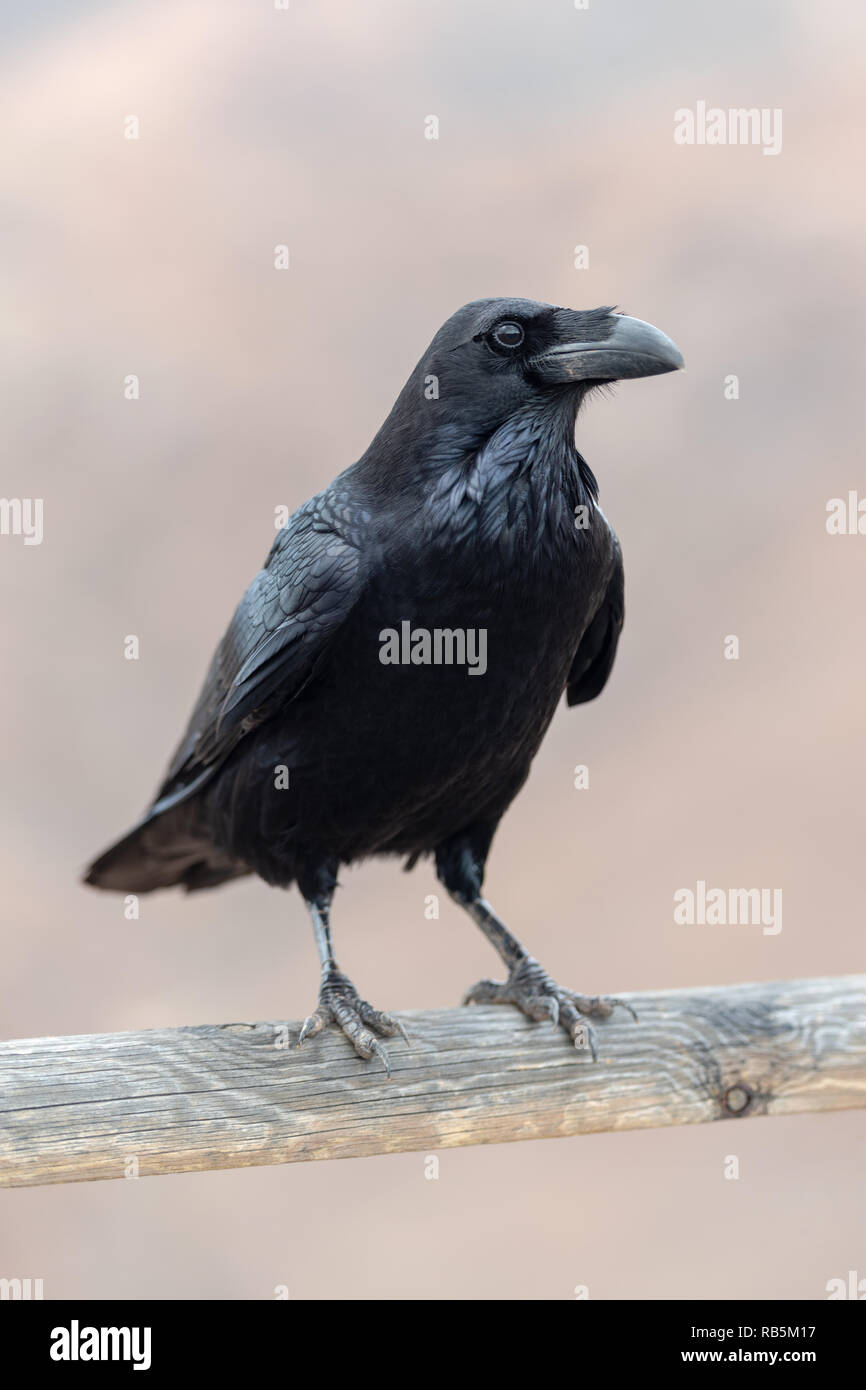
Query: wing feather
[594, 658]
[282, 626]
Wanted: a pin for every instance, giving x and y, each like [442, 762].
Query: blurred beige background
[155, 257]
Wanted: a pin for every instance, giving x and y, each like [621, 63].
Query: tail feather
[163, 851]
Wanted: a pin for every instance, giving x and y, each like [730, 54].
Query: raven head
[504, 360]
[495, 357]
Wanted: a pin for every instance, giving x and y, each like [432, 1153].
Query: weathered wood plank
[186, 1099]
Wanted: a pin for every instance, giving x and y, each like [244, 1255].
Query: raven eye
[507, 334]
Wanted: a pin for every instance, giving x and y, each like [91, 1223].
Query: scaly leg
[339, 1003]
[460, 866]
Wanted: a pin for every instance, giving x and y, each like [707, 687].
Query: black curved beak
[632, 348]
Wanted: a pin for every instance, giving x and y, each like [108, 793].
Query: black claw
[528, 986]
[308, 1029]
[380, 1052]
[340, 1007]
[621, 1004]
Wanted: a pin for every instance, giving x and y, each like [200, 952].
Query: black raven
[389, 675]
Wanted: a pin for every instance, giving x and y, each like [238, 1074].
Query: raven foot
[341, 1006]
[532, 990]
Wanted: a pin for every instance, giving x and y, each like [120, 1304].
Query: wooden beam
[186, 1099]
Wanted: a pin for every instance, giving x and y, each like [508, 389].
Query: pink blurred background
[155, 257]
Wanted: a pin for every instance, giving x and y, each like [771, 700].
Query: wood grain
[228, 1096]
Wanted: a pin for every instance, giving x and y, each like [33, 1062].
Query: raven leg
[460, 867]
[339, 1002]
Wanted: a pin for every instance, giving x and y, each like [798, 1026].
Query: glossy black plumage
[471, 509]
